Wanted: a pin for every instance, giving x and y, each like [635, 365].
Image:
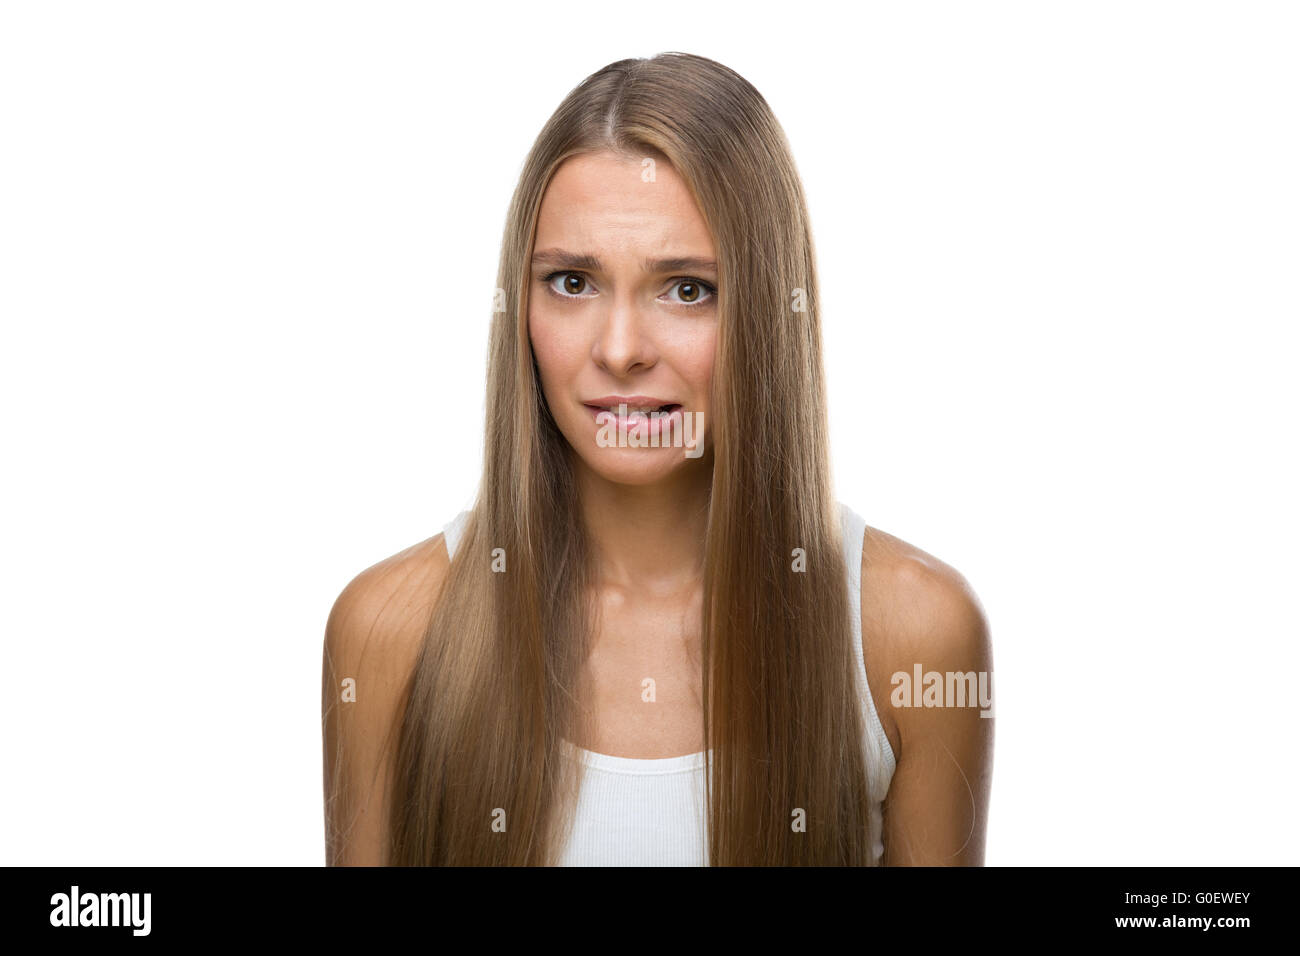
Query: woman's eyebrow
[560, 259]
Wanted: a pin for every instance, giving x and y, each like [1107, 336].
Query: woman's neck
[647, 536]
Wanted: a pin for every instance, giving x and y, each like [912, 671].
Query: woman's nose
[623, 342]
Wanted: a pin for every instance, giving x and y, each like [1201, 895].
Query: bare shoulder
[919, 611]
[372, 639]
[916, 609]
[390, 601]
[378, 621]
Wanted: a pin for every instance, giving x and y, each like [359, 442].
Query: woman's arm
[372, 638]
[922, 611]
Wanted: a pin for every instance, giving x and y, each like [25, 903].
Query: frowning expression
[622, 307]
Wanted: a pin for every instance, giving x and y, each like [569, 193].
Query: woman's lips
[652, 419]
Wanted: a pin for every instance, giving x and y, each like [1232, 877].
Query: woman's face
[610, 317]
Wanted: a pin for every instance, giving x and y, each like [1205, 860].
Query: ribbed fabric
[637, 812]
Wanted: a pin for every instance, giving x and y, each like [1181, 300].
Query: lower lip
[652, 424]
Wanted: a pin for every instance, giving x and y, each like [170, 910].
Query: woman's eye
[692, 291]
[572, 283]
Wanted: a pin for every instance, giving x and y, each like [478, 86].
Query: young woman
[657, 638]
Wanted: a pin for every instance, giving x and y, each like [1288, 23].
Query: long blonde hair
[493, 698]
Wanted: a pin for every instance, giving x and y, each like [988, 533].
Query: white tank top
[650, 812]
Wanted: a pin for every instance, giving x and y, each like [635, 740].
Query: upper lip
[613, 401]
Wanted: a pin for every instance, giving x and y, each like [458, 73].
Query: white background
[246, 260]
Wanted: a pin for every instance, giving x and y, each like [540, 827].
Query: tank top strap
[879, 751]
[454, 531]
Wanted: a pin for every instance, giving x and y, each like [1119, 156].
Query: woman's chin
[638, 466]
